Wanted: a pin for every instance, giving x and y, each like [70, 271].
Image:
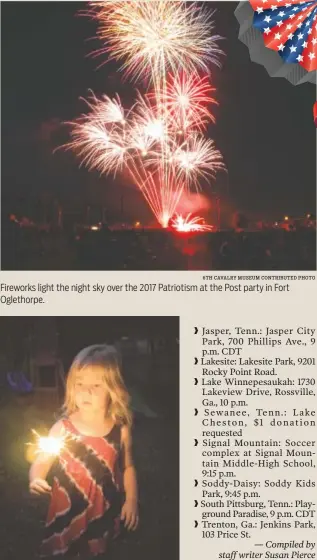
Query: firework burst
[152, 38]
[187, 98]
[197, 157]
[189, 224]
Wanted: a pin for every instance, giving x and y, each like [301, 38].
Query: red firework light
[190, 224]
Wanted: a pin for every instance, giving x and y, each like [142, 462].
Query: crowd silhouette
[29, 248]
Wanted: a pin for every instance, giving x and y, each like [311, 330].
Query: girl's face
[90, 389]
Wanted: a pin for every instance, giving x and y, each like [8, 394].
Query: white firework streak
[197, 157]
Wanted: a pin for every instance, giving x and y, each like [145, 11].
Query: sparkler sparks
[48, 444]
[159, 141]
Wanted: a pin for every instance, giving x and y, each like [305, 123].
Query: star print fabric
[290, 28]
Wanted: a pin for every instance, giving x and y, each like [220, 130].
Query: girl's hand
[39, 486]
[130, 515]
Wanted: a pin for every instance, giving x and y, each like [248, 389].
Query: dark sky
[75, 333]
[264, 126]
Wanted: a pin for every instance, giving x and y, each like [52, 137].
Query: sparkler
[159, 141]
[48, 444]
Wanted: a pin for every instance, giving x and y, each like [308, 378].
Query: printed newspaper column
[255, 448]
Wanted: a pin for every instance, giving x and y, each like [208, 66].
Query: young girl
[87, 503]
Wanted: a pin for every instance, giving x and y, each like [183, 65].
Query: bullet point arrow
[196, 361]
[196, 411]
[196, 380]
[196, 482]
[196, 524]
[196, 330]
[196, 442]
[196, 503]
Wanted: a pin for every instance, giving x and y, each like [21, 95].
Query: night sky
[264, 126]
[76, 333]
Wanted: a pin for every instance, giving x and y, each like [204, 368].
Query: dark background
[264, 126]
[153, 382]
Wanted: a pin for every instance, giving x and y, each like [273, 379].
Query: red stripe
[104, 450]
[81, 476]
[70, 426]
[78, 525]
[101, 447]
[61, 542]
[60, 503]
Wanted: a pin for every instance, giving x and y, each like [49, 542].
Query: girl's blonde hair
[104, 357]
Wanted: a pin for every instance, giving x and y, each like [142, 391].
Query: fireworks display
[159, 141]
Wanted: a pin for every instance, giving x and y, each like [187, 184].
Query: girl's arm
[42, 464]
[130, 509]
